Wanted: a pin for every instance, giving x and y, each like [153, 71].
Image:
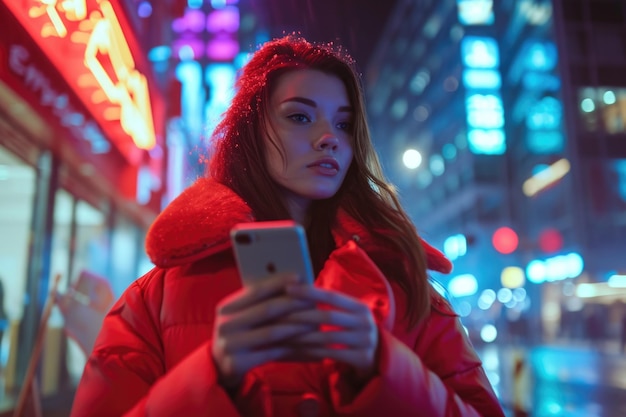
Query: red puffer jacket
[153, 354]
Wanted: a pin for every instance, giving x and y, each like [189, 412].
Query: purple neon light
[222, 49]
[223, 20]
[192, 21]
[196, 45]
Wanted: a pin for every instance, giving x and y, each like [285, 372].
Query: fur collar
[197, 224]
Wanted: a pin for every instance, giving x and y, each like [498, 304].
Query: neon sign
[85, 41]
[74, 10]
[130, 91]
[485, 114]
[81, 125]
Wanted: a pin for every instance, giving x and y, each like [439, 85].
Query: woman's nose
[327, 141]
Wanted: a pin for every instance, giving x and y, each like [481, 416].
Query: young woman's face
[312, 120]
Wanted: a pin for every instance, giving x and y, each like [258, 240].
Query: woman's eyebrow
[309, 102]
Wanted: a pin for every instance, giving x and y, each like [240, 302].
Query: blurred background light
[421, 113]
[463, 285]
[424, 178]
[485, 111]
[399, 108]
[449, 151]
[488, 142]
[519, 294]
[226, 19]
[512, 277]
[505, 240]
[505, 295]
[481, 79]
[617, 281]
[546, 114]
[192, 21]
[546, 177]
[437, 165]
[480, 52]
[412, 159]
[144, 9]
[541, 81]
[541, 56]
[475, 12]
[455, 246]
[488, 333]
[536, 271]
[419, 81]
[587, 105]
[550, 240]
[545, 142]
[609, 97]
[160, 53]
[556, 268]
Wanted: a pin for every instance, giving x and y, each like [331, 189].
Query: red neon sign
[90, 43]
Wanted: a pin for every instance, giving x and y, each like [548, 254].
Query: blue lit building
[514, 116]
[437, 90]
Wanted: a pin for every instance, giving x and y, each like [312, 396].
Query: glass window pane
[55, 341]
[125, 247]
[17, 188]
[92, 245]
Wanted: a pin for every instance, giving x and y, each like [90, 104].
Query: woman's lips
[326, 166]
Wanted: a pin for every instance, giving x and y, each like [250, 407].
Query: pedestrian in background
[370, 338]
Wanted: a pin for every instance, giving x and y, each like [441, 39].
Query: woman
[369, 338]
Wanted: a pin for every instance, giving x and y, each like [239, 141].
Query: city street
[572, 381]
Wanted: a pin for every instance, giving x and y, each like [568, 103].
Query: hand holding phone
[297, 330]
[248, 328]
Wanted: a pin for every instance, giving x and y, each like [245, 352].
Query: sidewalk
[562, 379]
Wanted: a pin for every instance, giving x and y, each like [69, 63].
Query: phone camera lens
[243, 238]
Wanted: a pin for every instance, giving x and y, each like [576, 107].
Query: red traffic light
[550, 240]
[505, 240]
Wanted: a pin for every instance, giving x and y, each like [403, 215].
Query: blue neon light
[541, 56]
[489, 142]
[545, 142]
[480, 52]
[475, 12]
[485, 111]
[482, 79]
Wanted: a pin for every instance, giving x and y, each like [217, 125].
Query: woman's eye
[344, 126]
[300, 118]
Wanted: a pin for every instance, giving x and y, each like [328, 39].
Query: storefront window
[96, 263]
[125, 251]
[17, 188]
[79, 239]
[92, 250]
[61, 251]
[62, 237]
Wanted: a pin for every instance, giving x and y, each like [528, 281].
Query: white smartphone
[271, 247]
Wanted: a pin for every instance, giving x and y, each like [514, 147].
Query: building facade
[82, 157]
[502, 123]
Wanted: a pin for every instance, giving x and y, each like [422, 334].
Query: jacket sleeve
[436, 374]
[449, 383]
[125, 374]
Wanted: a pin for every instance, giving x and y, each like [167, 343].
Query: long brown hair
[238, 162]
